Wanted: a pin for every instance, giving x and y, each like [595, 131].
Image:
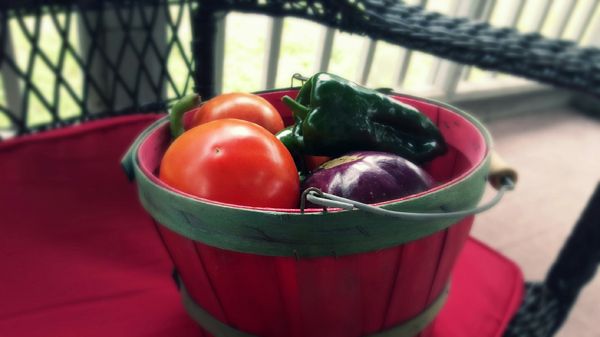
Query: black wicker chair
[112, 88]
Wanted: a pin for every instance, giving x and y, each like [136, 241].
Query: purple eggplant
[369, 177]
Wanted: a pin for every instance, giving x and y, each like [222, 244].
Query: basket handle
[500, 170]
[502, 177]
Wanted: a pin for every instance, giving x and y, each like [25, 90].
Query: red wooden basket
[273, 273]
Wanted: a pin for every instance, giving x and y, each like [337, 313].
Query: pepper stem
[184, 104]
[299, 110]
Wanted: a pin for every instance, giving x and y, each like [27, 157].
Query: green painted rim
[309, 234]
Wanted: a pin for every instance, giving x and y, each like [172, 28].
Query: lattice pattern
[123, 79]
[91, 60]
[539, 314]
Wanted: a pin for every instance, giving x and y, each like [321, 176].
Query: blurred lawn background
[246, 46]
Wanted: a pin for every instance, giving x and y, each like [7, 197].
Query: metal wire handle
[327, 200]
[298, 77]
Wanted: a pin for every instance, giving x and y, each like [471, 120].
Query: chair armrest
[462, 40]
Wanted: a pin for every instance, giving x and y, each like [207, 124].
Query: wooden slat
[326, 47]
[219, 53]
[449, 77]
[488, 10]
[565, 19]
[485, 15]
[405, 57]
[448, 74]
[275, 32]
[585, 23]
[366, 60]
[402, 69]
[518, 12]
[10, 80]
[543, 15]
[514, 21]
[594, 36]
[455, 10]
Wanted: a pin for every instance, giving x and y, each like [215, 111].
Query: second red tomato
[245, 106]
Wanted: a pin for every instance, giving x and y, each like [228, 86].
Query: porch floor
[557, 154]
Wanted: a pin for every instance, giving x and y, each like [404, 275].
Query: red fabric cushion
[486, 292]
[79, 256]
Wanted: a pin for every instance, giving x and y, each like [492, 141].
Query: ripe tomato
[232, 161]
[245, 106]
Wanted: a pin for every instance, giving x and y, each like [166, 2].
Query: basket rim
[440, 188]
[309, 234]
[481, 128]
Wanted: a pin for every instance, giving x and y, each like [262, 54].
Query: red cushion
[79, 256]
[486, 292]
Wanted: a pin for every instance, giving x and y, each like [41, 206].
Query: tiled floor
[557, 154]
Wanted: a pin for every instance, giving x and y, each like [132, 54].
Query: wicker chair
[111, 88]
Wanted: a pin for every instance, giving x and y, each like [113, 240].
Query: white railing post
[366, 60]
[518, 12]
[564, 21]
[585, 23]
[543, 15]
[487, 9]
[10, 80]
[274, 34]
[514, 21]
[448, 74]
[456, 9]
[404, 57]
[219, 53]
[326, 47]
[594, 36]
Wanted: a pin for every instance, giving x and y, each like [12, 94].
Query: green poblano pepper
[294, 143]
[334, 116]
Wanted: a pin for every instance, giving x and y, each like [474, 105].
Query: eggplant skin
[370, 177]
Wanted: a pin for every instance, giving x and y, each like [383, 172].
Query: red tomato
[245, 106]
[232, 161]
